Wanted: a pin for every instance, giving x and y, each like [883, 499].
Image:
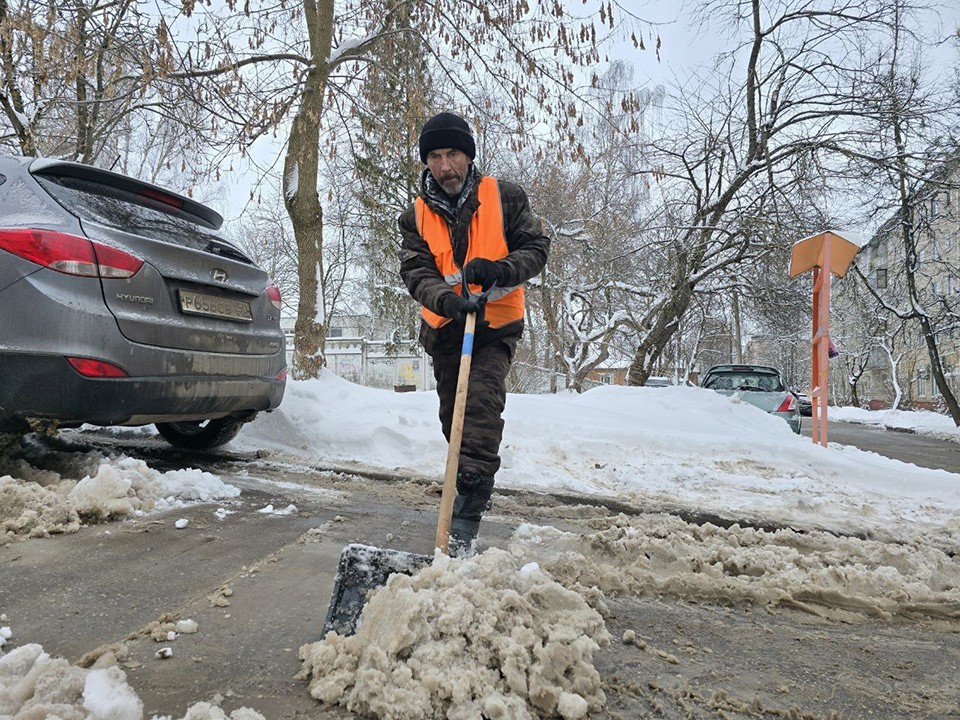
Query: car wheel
[200, 434]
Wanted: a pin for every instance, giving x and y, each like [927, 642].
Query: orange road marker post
[826, 253]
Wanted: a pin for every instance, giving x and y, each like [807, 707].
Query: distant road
[920, 450]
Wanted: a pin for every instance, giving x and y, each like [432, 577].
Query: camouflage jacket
[527, 247]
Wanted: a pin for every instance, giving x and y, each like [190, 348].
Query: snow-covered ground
[674, 447]
[683, 446]
[921, 422]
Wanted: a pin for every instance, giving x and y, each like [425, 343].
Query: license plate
[194, 303]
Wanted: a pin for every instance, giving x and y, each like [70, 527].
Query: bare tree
[387, 164]
[266, 237]
[588, 296]
[909, 160]
[73, 83]
[253, 68]
[742, 145]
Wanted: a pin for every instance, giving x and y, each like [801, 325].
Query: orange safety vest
[486, 239]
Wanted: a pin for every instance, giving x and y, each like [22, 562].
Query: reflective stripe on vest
[486, 240]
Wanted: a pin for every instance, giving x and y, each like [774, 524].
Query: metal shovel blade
[361, 569]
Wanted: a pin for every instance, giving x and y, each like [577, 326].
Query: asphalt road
[107, 586]
[921, 450]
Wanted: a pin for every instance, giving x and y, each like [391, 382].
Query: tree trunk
[737, 330]
[894, 363]
[300, 170]
[555, 325]
[11, 98]
[656, 339]
[936, 367]
[82, 150]
[908, 232]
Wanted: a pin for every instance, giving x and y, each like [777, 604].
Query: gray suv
[120, 305]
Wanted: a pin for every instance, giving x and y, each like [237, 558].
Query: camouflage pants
[486, 398]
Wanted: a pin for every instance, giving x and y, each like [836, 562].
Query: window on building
[881, 254]
[881, 278]
[334, 332]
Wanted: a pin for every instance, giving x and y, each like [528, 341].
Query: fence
[374, 364]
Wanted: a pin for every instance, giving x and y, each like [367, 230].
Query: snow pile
[842, 578]
[55, 492]
[676, 447]
[34, 685]
[347, 422]
[465, 639]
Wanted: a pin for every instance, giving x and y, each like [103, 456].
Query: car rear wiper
[227, 251]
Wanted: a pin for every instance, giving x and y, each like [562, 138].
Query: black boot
[472, 501]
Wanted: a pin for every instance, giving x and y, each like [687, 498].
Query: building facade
[884, 359]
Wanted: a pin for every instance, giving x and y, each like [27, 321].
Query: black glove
[484, 273]
[456, 307]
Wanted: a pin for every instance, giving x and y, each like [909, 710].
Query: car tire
[200, 434]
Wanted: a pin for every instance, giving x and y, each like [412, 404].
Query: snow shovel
[363, 568]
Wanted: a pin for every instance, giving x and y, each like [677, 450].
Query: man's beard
[452, 184]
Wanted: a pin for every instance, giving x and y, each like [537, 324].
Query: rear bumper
[45, 388]
[792, 419]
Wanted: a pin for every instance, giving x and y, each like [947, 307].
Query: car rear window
[744, 380]
[139, 213]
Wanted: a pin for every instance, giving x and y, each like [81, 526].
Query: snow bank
[682, 447]
[842, 578]
[334, 419]
[35, 685]
[464, 639]
[46, 492]
[922, 422]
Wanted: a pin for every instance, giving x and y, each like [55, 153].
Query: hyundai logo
[219, 275]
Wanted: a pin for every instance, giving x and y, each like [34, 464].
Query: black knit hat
[446, 130]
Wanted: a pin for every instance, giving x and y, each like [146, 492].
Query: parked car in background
[121, 305]
[804, 404]
[759, 385]
[657, 381]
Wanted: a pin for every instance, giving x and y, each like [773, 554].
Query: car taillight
[282, 375]
[273, 292]
[69, 254]
[96, 368]
[789, 404]
[116, 263]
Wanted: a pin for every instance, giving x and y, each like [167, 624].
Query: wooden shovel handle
[456, 437]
